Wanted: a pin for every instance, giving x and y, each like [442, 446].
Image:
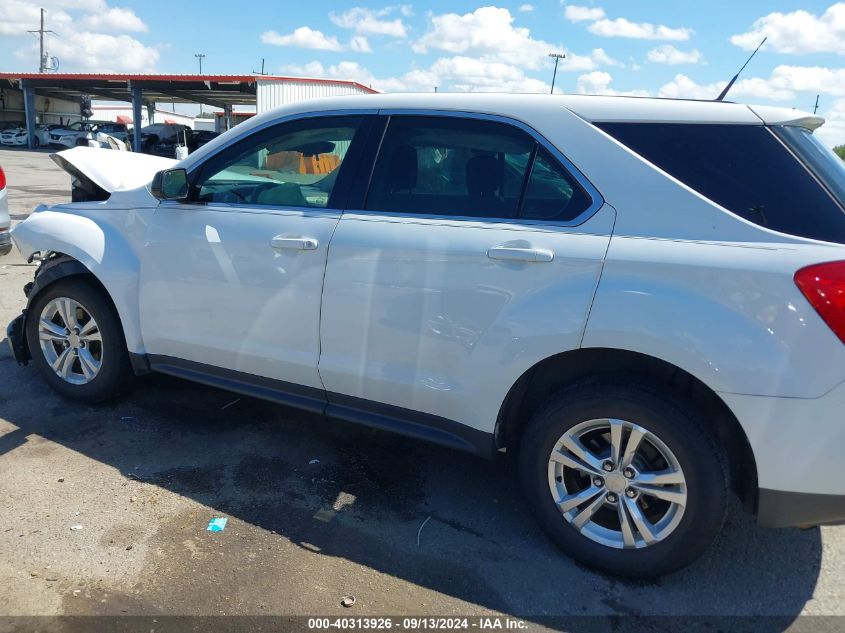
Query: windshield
[821, 160]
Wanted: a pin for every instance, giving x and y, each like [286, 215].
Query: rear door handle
[516, 254]
[281, 242]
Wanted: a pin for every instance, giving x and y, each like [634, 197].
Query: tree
[840, 151]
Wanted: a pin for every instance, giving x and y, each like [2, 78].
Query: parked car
[18, 136]
[80, 132]
[5, 221]
[644, 300]
[160, 139]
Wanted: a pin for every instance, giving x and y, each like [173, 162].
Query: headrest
[403, 169]
[484, 175]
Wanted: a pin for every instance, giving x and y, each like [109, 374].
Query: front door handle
[517, 254]
[282, 242]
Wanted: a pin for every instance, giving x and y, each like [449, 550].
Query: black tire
[676, 425]
[115, 374]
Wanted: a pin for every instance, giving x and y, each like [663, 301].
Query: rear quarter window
[745, 169]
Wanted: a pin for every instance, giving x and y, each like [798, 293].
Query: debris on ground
[314, 461]
[34, 573]
[217, 525]
[128, 547]
[75, 527]
[427, 519]
[61, 480]
[51, 577]
[133, 499]
[226, 406]
[347, 601]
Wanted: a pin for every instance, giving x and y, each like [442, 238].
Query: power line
[558, 57]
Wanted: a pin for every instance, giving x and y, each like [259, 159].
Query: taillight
[2, 179]
[824, 287]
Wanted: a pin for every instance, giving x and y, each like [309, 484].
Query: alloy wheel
[617, 483]
[70, 340]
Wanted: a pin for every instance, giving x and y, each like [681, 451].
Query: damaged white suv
[643, 299]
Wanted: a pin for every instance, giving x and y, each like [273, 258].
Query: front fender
[729, 314]
[104, 250]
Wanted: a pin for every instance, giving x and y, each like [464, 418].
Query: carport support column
[227, 112]
[29, 112]
[136, 117]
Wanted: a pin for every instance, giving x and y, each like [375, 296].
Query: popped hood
[110, 170]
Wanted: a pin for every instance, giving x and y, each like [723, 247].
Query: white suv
[643, 299]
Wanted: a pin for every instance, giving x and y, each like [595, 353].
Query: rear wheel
[76, 341]
[624, 479]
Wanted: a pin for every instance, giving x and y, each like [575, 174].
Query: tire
[111, 372]
[674, 440]
[36, 143]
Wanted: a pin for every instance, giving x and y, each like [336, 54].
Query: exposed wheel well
[537, 384]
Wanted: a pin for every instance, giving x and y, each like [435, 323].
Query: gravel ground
[317, 510]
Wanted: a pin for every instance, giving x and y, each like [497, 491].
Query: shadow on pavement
[365, 502]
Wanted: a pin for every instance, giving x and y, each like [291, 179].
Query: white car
[5, 221]
[643, 299]
[18, 136]
[83, 132]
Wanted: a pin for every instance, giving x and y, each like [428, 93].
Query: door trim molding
[415, 424]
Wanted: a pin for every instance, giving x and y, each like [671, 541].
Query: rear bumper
[797, 445]
[777, 508]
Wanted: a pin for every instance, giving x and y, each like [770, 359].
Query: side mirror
[170, 184]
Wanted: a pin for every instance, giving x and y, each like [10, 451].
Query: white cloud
[574, 13]
[487, 31]
[526, 8]
[798, 32]
[668, 54]
[370, 22]
[489, 35]
[755, 88]
[303, 37]
[98, 52]
[621, 27]
[598, 83]
[114, 19]
[360, 44]
[455, 74]
[833, 131]
[80, 45]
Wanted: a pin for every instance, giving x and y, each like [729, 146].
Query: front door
[233, 277]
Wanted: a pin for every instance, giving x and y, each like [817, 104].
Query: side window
[293, 164]
[450, 166]
[552, 194]
[745, 169]
[470, 168]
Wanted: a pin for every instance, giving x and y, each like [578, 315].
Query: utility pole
[42, 58]
[816, 107]
[199, 56]
[558, 57]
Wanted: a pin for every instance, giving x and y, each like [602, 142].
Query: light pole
[199, 56]
[558, 57]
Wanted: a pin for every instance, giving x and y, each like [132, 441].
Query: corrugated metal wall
[272, 94]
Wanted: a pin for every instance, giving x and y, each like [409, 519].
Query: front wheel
[76, 341]
[624, 479]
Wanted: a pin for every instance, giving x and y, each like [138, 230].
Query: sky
[665, 48]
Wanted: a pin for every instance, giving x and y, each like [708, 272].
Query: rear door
[474, 254]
